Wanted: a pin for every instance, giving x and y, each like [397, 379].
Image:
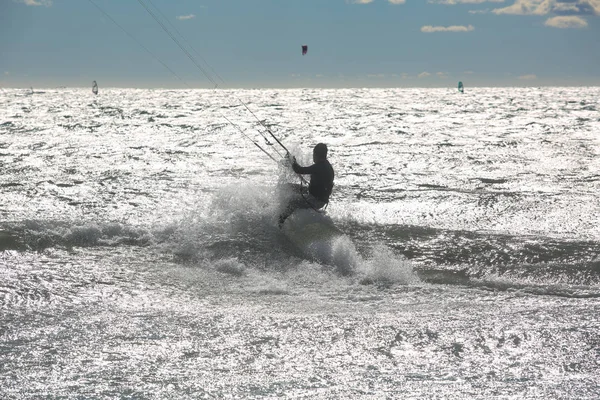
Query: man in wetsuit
[320, 186]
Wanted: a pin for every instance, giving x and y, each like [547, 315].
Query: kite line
[202, 69]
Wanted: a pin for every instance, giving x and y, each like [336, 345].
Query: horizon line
[304, 87]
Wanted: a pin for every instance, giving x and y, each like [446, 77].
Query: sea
[140, 255]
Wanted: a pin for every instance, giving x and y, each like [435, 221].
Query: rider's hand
[288, 160]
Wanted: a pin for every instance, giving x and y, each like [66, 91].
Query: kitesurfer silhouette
[319, 188]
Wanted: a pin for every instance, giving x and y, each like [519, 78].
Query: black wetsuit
[321, 179]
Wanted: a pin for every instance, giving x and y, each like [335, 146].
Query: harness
[322, 209]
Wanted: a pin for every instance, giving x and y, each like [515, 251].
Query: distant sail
[95, 88]
[304, 49]
[461, 88]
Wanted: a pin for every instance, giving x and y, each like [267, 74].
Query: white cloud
[543, 7]
[423, 74]
[370, 1]
[581, 7]
[566, 8]
[593, 4]
[442, 75]
[487, 10]
[185, 17]
[453, 28]
[527, 7]
[566, 22]
[528, 77]
[6, 73]
[454, 2]
[46, 3]
[376, 75]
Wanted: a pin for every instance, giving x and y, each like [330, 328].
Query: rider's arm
[303, 170]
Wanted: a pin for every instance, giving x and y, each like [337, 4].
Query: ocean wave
[36, 235]
[506, 189]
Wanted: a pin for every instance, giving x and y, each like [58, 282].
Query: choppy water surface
[140, 255]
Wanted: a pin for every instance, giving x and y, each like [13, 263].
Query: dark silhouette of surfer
[320, 186]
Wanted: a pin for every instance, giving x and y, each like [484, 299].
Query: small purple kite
[304, 49]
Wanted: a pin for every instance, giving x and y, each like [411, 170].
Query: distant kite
[304, 49]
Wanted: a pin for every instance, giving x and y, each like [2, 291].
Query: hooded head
[320, 152]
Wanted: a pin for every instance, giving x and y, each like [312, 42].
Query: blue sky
[257, 43]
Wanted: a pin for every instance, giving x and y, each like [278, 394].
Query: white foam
[231, 266]
[344, 255]
[385, 266]
[243, 216]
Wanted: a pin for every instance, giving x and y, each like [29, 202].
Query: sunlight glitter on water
[141, 255]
